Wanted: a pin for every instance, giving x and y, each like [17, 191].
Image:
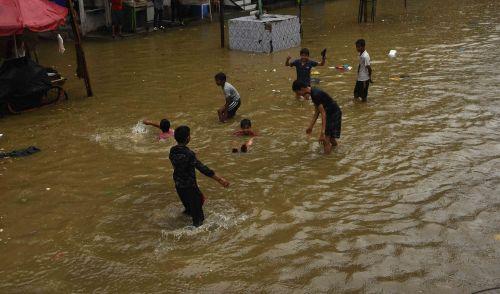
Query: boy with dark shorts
[364, 72]
[304, 65]
[331, 115]
[233, 100]
[185, 162]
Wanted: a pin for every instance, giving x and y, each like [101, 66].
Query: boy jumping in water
[304, 65]
[364, 72]
[331, 115]
[233, 100]
[184, 162]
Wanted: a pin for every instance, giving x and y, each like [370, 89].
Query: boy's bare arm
[287, 62]
[315, 118]
[221, 180]
[323, 119]
[369, 72]
[150, 123]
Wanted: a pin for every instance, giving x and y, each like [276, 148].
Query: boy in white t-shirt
[231, 95]
[364, 72]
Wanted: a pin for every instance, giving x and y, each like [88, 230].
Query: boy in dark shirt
[184, 162]
[331, 115]
[304, 65]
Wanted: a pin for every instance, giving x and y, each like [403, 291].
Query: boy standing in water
[233, 100]
[304, 65]
[184, 162]
[331, 115]
[364, 72]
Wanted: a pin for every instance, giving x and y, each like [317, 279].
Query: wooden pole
[374, 7]
[300, 17]
[365, 10]
[360, 11]
[221, 21]
[81, 71]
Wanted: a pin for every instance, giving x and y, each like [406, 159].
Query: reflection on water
[408, 202]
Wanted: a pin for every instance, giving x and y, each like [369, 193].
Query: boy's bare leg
[222, 115]
[333, 141]
[327, 145]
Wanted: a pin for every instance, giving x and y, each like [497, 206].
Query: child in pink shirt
[164, 126]
[245, 131]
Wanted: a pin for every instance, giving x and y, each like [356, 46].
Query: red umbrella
[34, 15]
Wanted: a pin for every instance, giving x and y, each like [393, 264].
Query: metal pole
[221, 20]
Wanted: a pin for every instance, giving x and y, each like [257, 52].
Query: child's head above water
[245, 124]
[299, 88]
[165, 125]
[220, 79]
[360, 45]
[304, 54]
[182, 135]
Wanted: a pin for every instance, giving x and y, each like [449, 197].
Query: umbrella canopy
[34, 15]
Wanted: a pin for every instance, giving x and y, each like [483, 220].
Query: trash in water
[342, 67]
[392, 53]
[274, 70]
[315, 80]
[48, 189]
[60, 43]
[315, 72]
[400, 77]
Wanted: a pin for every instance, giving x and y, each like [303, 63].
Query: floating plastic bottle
[392, 53]
[60, 43]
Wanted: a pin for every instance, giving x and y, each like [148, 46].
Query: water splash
[139, 128]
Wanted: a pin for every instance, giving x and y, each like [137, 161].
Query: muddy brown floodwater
[408, 203]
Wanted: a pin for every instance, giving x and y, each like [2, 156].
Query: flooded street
[408, 203]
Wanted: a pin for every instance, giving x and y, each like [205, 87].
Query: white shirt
[231, 93]
[364, 61]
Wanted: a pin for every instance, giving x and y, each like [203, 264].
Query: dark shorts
[361, 89]
[192, 199]
[333, 124]
[232, 108]
[117, 17]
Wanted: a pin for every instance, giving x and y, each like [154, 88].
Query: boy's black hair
[245, 123]
[297, 85]
[165, 125]
[304, 51]
[220, 77]
[360, 43]
[181, 134]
